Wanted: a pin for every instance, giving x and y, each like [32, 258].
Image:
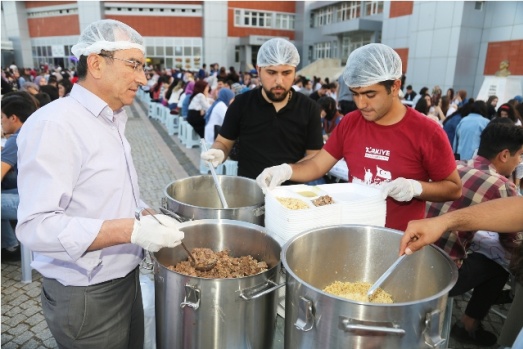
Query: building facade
[446, 43]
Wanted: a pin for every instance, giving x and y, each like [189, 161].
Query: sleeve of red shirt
[439, 157]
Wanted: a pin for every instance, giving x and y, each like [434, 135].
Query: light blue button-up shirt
[75, 172]
[468, 135]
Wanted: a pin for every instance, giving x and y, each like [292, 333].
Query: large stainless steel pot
[193, 312]
[196, 197]
[315, 319]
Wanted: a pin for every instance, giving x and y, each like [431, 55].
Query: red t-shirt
[414, 148]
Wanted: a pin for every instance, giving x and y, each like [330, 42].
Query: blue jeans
[10, 200]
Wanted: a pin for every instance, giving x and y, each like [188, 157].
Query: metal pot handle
[305, 320]
[192, 297]
[252, 293]
[173, 214]
[349, 326]
[146, 262]
[432, 333]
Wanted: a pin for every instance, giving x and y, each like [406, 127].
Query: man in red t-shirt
[384, 143]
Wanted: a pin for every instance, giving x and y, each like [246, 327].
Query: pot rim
[169, 197]
[443, 292]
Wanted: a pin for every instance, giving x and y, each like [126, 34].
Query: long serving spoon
[385, 275]
[215, 177]
[198, 266]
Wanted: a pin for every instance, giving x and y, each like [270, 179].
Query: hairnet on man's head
[278, 51]
[372, 64]
[107, 35]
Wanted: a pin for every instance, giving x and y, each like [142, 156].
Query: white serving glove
[401, 189]
[153, 236]
[273, 176]
[215, 156]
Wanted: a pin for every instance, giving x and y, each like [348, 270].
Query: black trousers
[197, 121]
[486, 277]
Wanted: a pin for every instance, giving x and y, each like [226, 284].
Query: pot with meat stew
[216, 313]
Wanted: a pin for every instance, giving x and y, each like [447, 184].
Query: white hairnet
[107, 35]
[372, 64]
[278, 51]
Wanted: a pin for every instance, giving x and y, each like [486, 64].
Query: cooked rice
[293, 204]
[357, 291]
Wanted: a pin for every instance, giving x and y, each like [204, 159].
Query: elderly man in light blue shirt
[79, 194]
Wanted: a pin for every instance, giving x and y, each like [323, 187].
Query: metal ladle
[215, 177]
[385, 275]
[196, 265]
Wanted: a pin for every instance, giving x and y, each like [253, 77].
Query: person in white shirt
[198, 106]
[216, 114]
[79, 195]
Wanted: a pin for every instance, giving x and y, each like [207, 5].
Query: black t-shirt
[269, 138]
[314, 96]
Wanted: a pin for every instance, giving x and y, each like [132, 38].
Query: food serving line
[305, 250]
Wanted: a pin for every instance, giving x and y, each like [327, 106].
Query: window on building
[328, 15]
[149, 51]
[351, 42]
[348, 10]
[284, 21]
[373, 8]
[322, 50]
[51, 55]
[261, 19]
[342, 11]
[478, 5]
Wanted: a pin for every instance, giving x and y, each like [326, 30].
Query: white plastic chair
[26, 259]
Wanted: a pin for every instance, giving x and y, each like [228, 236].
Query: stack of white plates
[353, 204]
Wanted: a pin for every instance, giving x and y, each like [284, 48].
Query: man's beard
[275, 98]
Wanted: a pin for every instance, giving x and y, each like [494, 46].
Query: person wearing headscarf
[40, 80]
[275, 124]
[408, 155]
[79, 197]
[216, 113]
[185, 99]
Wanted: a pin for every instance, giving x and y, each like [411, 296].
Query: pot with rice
[328, 272]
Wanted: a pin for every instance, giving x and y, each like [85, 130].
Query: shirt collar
[480, 163]
[94, 104]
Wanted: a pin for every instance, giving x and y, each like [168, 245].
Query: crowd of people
[429, 154]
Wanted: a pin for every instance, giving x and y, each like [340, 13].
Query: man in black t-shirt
[275, 125]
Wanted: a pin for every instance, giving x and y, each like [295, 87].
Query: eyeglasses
[137, 66]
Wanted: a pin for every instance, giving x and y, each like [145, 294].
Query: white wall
[448, 40]
[18, 32]
[215, 44]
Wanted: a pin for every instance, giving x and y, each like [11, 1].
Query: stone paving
[159, 160]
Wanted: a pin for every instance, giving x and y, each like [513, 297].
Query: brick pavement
[159, 160]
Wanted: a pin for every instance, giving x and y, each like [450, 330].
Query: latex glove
[215, 156]
[401, 189]
[152, 236]
[271, 177]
